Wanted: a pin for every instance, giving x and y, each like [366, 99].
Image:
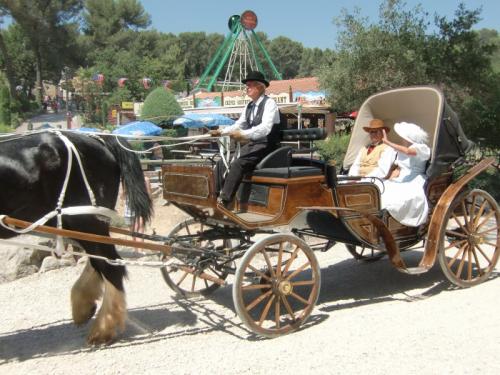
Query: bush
[4, 105]
[160, 105]
[488, 181]
[333, 148]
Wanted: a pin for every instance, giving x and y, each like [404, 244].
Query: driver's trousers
[250, 155]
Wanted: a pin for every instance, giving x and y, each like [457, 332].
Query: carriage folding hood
[422, 105]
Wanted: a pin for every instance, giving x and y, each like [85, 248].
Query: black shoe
[223, 202]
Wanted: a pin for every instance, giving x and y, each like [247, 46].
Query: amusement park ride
[239, 51]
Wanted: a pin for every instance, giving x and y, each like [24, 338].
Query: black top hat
[256, 76]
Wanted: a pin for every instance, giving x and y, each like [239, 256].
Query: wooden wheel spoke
[260, 273]
[268, 262]
[476, 259]
[456, 234]
[458, 253]
[288, 307]
[486, 218]
[465, 214]
[497, 228]
[290, 261]
[299, 298]
[461, 264]
[187, 228]
[266, 310]
[469, 264]
[479, 213]
[460, 224]
[255, 287]
[454, 244]
[280, 257]
[193, 283]
[277, 312]
[182, 278]
[303, 283]
[483, 253]
[258, 300]
[298, 270]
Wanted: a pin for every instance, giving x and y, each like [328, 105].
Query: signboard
[127, 105]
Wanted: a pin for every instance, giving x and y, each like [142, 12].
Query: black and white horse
[33, 170]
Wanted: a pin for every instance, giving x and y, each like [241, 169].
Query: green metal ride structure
[239, 50]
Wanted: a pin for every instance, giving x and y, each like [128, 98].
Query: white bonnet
[411, 132]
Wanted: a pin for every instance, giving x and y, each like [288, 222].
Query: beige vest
[367, 163]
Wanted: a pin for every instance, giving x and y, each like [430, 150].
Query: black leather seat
[288, 172]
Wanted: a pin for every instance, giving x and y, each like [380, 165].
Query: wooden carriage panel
[191, 184]
[270, 205]
[286, 198]
[358, 196]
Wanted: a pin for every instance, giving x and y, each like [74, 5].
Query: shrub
[160, 105]
[333, 148]
[4, 105]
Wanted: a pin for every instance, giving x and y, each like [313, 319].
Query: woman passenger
[404, 194]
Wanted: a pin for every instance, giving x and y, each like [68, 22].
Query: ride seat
[279, 163]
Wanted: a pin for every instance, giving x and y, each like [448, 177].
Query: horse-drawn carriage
[287, 208]
[277, 276]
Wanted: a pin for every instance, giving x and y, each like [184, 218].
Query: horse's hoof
[82, 317]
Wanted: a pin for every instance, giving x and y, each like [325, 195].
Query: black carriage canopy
[421, 105]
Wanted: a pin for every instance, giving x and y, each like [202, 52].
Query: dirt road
[370, 319]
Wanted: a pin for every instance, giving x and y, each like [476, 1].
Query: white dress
[404, 196]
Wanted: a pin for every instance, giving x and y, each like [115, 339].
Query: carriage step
[415, 270]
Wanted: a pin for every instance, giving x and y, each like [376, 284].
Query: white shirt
[270, 116]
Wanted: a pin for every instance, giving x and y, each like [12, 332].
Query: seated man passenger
[376, 158]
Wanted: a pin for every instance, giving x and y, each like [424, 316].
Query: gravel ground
[369, 319]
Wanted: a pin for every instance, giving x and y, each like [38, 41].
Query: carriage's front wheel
[192, 275]
[470, 239]
[276, 285]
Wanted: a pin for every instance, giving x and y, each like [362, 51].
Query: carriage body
[313, 202]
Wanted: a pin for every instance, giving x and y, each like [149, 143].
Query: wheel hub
[285, 287]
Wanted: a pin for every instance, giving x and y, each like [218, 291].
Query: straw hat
[376, 124]
[411, 132]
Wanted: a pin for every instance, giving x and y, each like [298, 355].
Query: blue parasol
[138, 128]
[198, 120]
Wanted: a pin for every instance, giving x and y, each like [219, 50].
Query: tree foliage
[160, 105]
[399, 50]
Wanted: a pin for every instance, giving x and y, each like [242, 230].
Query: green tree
[104, 19]
[50, 26]
[286, 55]
[160, 105]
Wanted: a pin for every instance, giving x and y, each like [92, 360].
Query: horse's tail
[132, 177]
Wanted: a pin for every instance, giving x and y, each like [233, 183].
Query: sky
[310, 22]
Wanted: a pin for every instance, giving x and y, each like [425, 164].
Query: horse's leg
[86, 291]
[113, 312]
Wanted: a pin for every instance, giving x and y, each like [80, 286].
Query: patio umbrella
[138, 128]
[45, 126]
[198, 120]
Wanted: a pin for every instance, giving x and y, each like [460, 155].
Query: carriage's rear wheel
[366, 254]
[276, 285]
[192, 275]
[470, 239]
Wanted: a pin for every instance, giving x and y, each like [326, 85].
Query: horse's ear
[47, 156]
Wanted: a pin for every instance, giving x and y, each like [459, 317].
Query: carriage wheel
[183, 275]
[366, 254]
[470, 242]
[276, 285]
